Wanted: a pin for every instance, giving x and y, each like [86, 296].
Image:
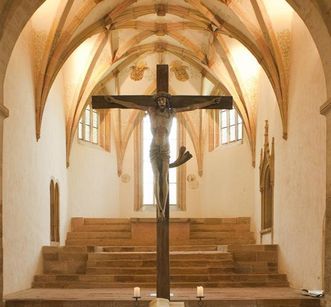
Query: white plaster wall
[227, 185]
[299, 196]
[93, 182]
[28, 167]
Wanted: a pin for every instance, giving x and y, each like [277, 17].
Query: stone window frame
[138, 180]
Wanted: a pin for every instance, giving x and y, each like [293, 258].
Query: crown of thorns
[161, 95]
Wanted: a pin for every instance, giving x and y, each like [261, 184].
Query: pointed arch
[54, 212]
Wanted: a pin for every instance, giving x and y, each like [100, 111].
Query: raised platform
[214, 297]
[120, 253]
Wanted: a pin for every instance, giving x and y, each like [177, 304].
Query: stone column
[326, 111]
[3, 114]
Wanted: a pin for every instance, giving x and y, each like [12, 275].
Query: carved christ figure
[161, 117]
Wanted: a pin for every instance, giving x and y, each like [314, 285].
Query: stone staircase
[120, 253]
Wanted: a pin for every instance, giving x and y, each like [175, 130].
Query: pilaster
[326, 111]
[4, 113]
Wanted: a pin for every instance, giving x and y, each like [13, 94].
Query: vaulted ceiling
[215, 46]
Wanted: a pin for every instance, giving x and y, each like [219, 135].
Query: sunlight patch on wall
[280, 13]
[42, 18]
[245, 62]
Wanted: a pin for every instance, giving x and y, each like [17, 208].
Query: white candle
[136, 292]
[199, 291]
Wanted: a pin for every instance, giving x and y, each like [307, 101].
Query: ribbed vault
[94, 43]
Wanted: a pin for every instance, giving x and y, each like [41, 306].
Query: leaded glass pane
[87, 133]
[224, 121]
[231, 126]
[95, 119]
[95, 135]
[172, 175]
[172, 194]
[224, 135]
[80, 130]
[232, 117]
[232, 133]
[240, 131]
[148, 193]
[147, 168]
[87, 115]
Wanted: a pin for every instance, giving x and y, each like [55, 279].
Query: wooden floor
[214, 297]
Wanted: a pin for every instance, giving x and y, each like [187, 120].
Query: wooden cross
[218, 102]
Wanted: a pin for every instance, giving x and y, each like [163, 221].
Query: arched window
[231, 126]
[89, 125]
[148, 195]
[94, 127]
[144, 195]
[54, 212]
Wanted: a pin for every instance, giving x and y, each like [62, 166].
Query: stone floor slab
[214, 297]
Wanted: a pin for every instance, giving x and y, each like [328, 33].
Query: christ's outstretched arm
[128, 104]
[198, 105]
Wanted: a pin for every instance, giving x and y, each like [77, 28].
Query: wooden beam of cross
[154, 106]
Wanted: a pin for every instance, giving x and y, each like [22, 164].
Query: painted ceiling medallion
[179, 70]
[137, 71]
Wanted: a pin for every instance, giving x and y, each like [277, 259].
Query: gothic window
[54, 212]
[89, 125]
[144, 195]
[94, 127]
[148, 195]
[231, 126]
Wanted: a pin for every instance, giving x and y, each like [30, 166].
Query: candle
[136, 292]
[199, 291]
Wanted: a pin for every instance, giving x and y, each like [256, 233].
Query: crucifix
[161, 108]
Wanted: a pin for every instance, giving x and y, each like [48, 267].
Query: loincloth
[159, 152]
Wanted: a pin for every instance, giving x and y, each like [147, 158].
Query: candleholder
[200, 301]
[136, 300]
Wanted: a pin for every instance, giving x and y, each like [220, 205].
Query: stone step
[103, 228]
[251, 258]
[252, 247]
[153, 248]
[152, 270]
[216, 279]
[214, 255]
[99, 235]
[222, 235]
[152, 263]
[119, 285]
[106, 221]
[126, 242]
[61, 260]
[213, 221]
[220, 227]
[67, 249]
[151, 278]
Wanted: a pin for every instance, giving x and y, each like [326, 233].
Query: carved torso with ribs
[161, 122]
